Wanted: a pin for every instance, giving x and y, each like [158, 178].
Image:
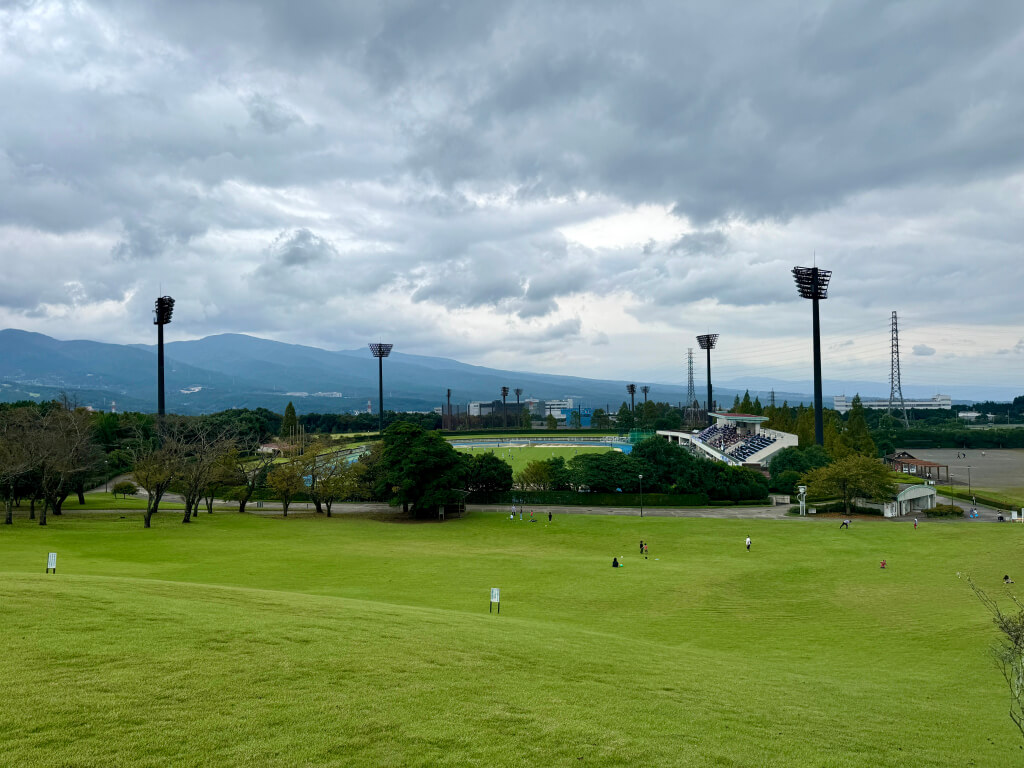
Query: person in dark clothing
[615, 562]
[549, 515]
[641, 546]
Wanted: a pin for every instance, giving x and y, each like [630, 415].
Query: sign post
[51, 562]
[495, 599]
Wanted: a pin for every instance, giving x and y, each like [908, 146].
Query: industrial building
[937, 402]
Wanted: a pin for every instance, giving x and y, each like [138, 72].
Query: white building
[937, 402]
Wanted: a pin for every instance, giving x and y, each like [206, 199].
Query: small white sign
[495, 595]
[51, 561]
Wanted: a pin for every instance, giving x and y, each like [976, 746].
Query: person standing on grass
[641, 546]
[915, 523]
[748, 543]
[844, 524]
[549, 515]
[645, 551]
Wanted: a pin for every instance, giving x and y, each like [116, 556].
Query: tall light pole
[380, 351]
[641, 495]
[631, 389]
[449, 419]
[812, 283]
[707, 342]
[504, 410]
[519, 408]
[161, 317]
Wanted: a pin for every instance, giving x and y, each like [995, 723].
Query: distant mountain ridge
[239, 371]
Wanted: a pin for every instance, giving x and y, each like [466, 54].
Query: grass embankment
[246, 640]
[1011, 498]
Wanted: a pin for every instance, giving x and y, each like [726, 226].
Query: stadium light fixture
[707, 342]
[812, 283]
[161, 317]
[380, 351]
[631, 389]
[504, 410]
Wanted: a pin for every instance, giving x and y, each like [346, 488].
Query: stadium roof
[747, 417]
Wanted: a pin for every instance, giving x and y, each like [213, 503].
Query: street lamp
[380, 351]
[641, 495]
[812, 283]
[707, 341]
[161, 317]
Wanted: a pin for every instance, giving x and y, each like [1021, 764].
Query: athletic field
[261, 641]
[520, 456]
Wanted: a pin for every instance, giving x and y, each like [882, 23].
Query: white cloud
[522, 184]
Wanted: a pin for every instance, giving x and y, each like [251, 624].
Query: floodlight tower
[161, 317]
[519, 408]
[631, 389]
[707, 342]
[645, 389]
[812, 283]
[504, 410]
[380, 351]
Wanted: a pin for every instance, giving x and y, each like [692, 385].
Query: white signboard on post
[51, 562]
[495, 598]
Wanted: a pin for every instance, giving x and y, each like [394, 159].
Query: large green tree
[851, 477]
[290, 422]
[856, 438]
[420, 468]
[489, 474]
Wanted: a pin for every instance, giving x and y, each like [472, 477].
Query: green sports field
[520, 456]
[251, 640]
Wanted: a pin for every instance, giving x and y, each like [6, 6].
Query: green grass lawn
[519, 457]
[99, 500]
[245, 640]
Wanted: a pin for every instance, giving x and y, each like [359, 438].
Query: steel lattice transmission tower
[895, 385]
[691, 392]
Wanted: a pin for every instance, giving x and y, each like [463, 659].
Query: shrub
[944, 510]
[838, 509]
[124, 488]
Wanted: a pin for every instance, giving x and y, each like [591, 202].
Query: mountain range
[239, 371]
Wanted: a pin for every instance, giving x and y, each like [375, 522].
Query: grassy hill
[244, 640]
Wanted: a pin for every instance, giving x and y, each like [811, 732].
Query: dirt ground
[1001, 470]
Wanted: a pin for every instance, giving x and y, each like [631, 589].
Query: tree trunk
[58, 504]
[9, 519]
[32, 509]
[209, 505]
[319, 506]
[188, 514]
[81, 495]
[42, 515]
[285, 504]
[328, 505]
[145, 518]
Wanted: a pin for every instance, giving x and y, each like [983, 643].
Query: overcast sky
[559, 187]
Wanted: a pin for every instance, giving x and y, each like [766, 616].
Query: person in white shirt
[748, 543]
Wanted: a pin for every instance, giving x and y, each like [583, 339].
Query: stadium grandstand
[735, 439]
